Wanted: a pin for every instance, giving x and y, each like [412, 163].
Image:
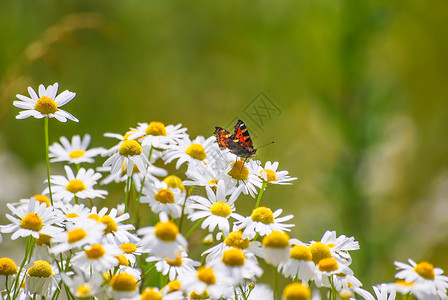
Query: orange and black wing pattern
[238, 143]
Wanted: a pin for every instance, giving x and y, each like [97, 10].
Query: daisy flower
[276, 247]
[130, 250]
[262, 221]
[326, 268]
[124, 285]
[270, 174]
[156, 134]
[424, 273]
[73, 212]
[98, 257]
[82, 285]
[205, 280]
[39, 279]
[46, 104]
[339, 246]
[300, 264]
[34, 220]
[189, 151]
[75, 152]
[215, 210]
[161, 197]
[174, 267]
[201, 174]
[80, 186]
[130, 153]
[163, 239]
[115, 231]
[382, 293]
[244, 174]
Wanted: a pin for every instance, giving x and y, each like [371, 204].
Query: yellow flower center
[206, 275]
[177, 262]
[239, 171]
[300, 252]
[319, 251]
[40, 268]
[262, 214]
[7, 266]
[270, 175]
[43, 240]
[130, 148]
[213, 183]
[404, 282]
[75, 185]
[221, 209]
[235, 240]
[123, 282]
[111, 225]
[166, 231]
[96, 251]
[77, 153]
[76, 235]
[173, 286]
[174, 181]
[203, 295]
[46, 105]
[128, 248]
[277, 239]
[83, 290]
[32, 221]
[122, 260]
[328, 264]
[71, 215]
[196, 151]
[95, 217]
[42, 199]
[425, 270]
[151, 294]
[134, 169]
[156, 128]
[233, 257]
[165, 196]
[296, 291]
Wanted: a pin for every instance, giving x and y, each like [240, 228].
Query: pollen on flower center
[156, 128]
[165, 196]
[95, 217]
[124, 282]
[32, 221]
[151, 294]
[404, 282]
[42, 199]
[166, 231]
[111, 225]
[40, 268]
[130, 148]
[221, 209]
[7, 266]
[319, 251]
[233, 257]
[328, 264]
[263, 215]
[43, 240]
[196, 151]
[174, 285]
[296, 291]
[96, 251]
[425, 270]
[71, 215]
[46, 105]
[277, 239]
[83, 290]
[177, 262]
[235, 240]
[122, 260]
[300, 252]
[239, 171]
[75, 185]
[77, 153]
[128, 248]
[206, 275]
[270, 175]
[174, 181]
[76, 235]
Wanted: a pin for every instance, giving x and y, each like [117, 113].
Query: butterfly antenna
[266, 144]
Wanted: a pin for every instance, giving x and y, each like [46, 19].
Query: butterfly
[238, 143]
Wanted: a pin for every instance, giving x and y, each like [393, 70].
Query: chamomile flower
[46, 104]
[270, 174]
[99, 257]
[326, 268]
[130, 153]
[165, 294]
[157, 135]
[244, 174]
[82, 285]
[201, 174]
[382, 292]
[81, 186]
[39, 278]
[215, 209]
[188, 150]
[124, 285]
[300, 264]
[130, 250]
[75, 152]
[174, 267]
[339, 246]
[33, 220]
[276, 247]
[424, 273]
[115, 231]
[206, 280]
[161, 197]
[73, 212]
[163, 239]
[262, 221]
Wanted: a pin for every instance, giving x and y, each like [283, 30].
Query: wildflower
[161, 197]
[276, 247]
[189, 151]
[115, 231]
[82, 285]
[205, 280]
[326, 268]
[130, 153]
[300, 264]
[157, 135]
[75, 152]
[270, 174]
[81, 186]
[130, 250]
[46, 104]
[244, 174]
[339, 246]
[39, 277]
[8, 269]
[99, 257]
[124, 286]
[174, 267]
[296, 291]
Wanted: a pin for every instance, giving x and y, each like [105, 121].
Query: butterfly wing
[222, 137]
[241, 135]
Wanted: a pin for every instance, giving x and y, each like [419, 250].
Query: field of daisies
[77, 250]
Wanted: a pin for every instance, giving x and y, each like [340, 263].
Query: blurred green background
[360, 86]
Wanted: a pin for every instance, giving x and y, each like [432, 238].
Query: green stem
[181, 220]
[263, 188]
[194, 227]
[127, 193]
[276, 291]
[47, 156]
[29, 241]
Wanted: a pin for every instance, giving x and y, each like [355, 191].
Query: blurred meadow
[355, 93]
